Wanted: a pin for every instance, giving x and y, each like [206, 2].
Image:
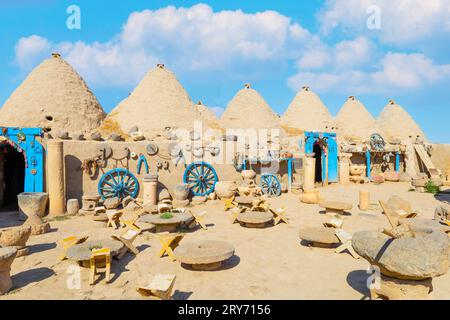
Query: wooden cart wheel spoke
[204, 176]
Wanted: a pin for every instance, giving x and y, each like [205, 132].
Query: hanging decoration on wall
[142, 161]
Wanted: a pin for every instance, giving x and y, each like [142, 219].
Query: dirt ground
[269, 263]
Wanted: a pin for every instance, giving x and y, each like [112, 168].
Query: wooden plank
[423, 155]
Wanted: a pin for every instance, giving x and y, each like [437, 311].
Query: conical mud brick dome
[53, 97]
[248, 109]
[354, 122]
[207, 116]
[396, 123]
[308, 113]
[159, 101]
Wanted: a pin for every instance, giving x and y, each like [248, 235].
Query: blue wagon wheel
[270, 185]
[118, 183]
[201, 178]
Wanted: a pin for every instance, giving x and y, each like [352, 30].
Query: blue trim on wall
[24, 141]
[311, 138]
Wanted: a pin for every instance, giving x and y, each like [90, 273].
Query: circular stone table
[255, 219]
[167, 225]
[320, 236]
[82, 252]
[204, 254]
[7, 256]
[333, 207]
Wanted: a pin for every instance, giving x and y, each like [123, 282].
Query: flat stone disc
[336, 205]
[255, 217]
[319, 235]
[157, 220]
[204, 252]
[83, 251]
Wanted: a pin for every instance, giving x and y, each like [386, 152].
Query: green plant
[430, 187]
[166, 215]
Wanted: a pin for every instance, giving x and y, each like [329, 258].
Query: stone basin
[15, 237]
[81, 253]
[336, 206]
[419, 258]
[33, 203]
[204, 254]
[255, 219]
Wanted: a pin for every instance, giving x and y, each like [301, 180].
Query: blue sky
[374, 49]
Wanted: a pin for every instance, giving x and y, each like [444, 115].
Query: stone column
[55, 176]
[364, 199]
[150, 187]
[344, 172]
[310, 174]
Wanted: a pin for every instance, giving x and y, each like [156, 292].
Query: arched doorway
[12, 175]
[317, 149]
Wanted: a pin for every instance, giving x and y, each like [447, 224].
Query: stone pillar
[364, 200]
[344, 172]
[310, 174]
[55, 176]
[150, 186]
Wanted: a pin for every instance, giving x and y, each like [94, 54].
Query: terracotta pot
[225, 189]
[181, 191]
[33, 203]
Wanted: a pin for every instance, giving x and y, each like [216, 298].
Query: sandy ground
[269, 263]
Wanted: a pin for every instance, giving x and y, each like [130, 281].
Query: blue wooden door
[332, 160]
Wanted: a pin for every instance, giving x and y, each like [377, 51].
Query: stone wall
[440, 155]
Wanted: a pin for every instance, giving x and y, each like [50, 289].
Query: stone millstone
[320, 235]
[255, 217]
[417, 258]
[111, 203]
[419, 224]
[204, 252]
[82, 252]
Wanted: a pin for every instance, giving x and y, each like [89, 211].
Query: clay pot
[181, 191]
[248, 174]
[225, 189]
[33, 203]
[15, 237]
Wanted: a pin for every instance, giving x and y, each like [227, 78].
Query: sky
[376, 50]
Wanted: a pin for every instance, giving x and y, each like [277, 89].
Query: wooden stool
[280, 215]
[235, 212]
[68, 243]
[169, 242]
[113, 218]
[346, 240]
[127, 238]
[229, 204]
[198, 218]
[160, 287]
[97, 256]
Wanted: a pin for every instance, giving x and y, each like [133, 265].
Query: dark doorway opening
[317, 149]
[13, 176]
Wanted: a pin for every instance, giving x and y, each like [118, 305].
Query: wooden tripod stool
[229, 204]
[198, 218]
[280, 215]
[68, 243]
[169, 242]
[160, 287]
[127, 238]
[98, 256]
[346, 240]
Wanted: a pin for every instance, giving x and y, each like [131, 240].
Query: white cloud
[394, 73]
[402, 21]
[30, 50]
[186, 39]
